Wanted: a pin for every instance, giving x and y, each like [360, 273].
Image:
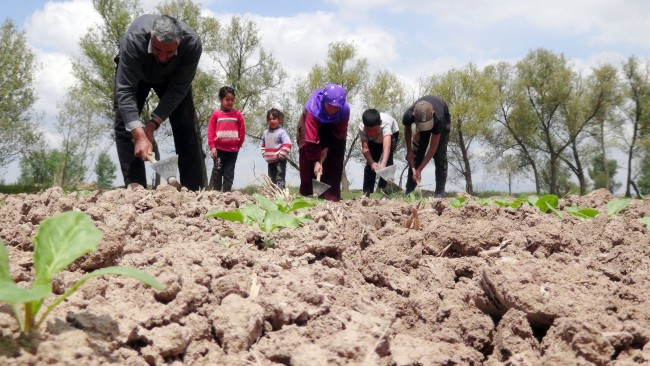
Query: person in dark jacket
[161, 53]
[433, 122]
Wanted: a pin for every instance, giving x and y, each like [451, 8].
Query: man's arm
[433, 147]
[366, 152]
[385, 150]
[127, 77]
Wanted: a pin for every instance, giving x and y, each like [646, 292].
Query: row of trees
[537, 119]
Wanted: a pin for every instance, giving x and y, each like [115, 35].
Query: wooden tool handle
[151, 158]
[318, 176]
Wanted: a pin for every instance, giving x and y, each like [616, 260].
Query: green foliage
[457, 202]
[60, 240]
[18, 132]
[471, 96]
[268, 214]
[617, 205]
[105, 171]
[636, 82]
[502, 202]
[249, 68]
[601, 177]
[21, 188]
[52, 167]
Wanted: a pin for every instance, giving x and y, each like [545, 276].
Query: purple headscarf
[332, 94]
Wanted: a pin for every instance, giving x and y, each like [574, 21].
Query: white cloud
[301, 41]
[59, 25]
[52, 81]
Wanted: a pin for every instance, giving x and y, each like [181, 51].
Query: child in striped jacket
[226, 134]
[276, 146]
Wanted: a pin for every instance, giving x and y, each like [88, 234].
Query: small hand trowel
[319, 187]
[387, 173]
[166, 168]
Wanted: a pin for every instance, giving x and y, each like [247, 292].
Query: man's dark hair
[274, 112]
[166, 29]
[371, 117]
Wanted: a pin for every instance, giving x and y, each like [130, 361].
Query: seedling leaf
[4, 264]
[60, 240]
[253, 213]
[547, 203]
[116, 270]
[582, 212]
[274, 219]
[13, 294]
[226, 215]
[299, 203]
[646, 221]
[617, 205]
[457, 202]
[265, 203]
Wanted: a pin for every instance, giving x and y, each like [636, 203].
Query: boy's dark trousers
[223, 172]
[370, 175]
[439, 159]
[277, 172]
[186, 140]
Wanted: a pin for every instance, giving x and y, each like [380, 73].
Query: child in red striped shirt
[276, 146]
[226, 133]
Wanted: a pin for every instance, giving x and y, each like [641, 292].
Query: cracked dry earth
[479, 285]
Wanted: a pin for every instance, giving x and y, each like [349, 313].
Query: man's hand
[143, 145]
[318, 168]
[375, 166]
[409, 157]
[213, 153]
[149, 129]
[417, 175]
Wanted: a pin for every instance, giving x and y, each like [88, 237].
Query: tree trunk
[509, 183]
[628, 181]
[579, 172]
[608, 183]
[553, 175]
[345, 183]
[467, 169]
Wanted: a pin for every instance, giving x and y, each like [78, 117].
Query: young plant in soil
[59, 241]
[617, 205]
[268, 214]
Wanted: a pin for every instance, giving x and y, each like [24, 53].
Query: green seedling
[284, 206]
[617, 205]
[485, 201]
[269, 216]
[646, 221]
[457, 202]
[582, 212]
[59, 241]
[547, 203]
[268, 243]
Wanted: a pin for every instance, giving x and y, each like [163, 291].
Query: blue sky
[413, 39]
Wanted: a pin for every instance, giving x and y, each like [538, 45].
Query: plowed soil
[476, 285]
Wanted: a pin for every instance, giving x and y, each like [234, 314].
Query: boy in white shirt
[379, 134]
